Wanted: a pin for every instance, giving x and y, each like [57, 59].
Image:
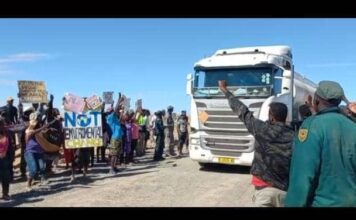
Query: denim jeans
[35, 163]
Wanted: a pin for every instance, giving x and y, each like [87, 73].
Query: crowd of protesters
[125, 137]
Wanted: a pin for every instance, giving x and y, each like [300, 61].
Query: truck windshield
[245, 82]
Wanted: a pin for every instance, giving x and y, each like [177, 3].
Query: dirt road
[174, 182]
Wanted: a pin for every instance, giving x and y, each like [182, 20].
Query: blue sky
[150, 58]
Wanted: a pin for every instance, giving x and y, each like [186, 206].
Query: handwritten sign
[93, 102]
[108, 97]
[32, 91]
[73, 103]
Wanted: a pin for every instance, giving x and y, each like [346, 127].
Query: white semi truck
[259, 76]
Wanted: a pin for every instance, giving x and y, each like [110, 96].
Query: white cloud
[6, 82]
[23, 57]
[5, 62]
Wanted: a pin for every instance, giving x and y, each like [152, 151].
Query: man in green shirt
[323, 169]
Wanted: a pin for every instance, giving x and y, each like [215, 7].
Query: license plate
[226, 160]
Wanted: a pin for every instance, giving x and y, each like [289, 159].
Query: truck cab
[258, 76]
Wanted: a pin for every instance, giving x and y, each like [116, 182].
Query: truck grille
[226, 153]
[227, 134]
[228, 144]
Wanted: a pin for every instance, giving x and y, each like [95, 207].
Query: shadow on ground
[60, 182]
[222, 168]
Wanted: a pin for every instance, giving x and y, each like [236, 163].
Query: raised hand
[222, 85]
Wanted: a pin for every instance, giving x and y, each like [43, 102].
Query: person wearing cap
[11, 112]
[322, 172]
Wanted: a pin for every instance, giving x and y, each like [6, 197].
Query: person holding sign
[51, 114]
[106, 133]
[114, 122]
[34, 151]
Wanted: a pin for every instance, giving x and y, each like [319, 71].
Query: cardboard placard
[32, 91]
[93, 102]
[108, 97]
[74, 103]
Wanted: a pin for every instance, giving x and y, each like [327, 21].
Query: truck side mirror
[189, 84]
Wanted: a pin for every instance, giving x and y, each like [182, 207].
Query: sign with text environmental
[32, 91]
[108, 97]
[83, 129]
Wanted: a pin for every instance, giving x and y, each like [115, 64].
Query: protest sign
[73, 103]
[93, 102]
[108, 97]
[32, 91]
[83, 130]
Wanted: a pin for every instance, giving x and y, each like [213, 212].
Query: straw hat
[33, 120]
